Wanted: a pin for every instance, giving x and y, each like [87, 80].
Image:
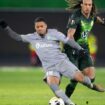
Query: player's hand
[104, 22]
[3, 24]
[82, 53]
[101, 20]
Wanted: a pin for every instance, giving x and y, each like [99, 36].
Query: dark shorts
[80, 62]
[85, 62]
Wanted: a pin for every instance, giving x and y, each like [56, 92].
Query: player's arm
[72, 25]
[71, 32]
[9, 31]
[71, 42]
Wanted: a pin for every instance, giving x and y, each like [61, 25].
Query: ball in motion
[56, 101]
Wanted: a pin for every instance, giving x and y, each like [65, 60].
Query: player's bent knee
[53, 80]
[79, 76]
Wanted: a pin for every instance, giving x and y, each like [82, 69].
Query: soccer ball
[56, 101]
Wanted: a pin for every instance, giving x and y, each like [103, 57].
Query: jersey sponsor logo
[44, 45]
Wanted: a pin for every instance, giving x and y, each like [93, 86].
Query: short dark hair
[39, 19]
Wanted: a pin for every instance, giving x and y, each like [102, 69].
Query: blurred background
[20, 15]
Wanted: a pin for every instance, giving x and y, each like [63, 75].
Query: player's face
[86, 7]
[41, 27]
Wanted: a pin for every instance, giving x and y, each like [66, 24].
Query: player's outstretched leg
[87, 82]
[59, 93]
[53, 83]
[70, 88]
[98, 88]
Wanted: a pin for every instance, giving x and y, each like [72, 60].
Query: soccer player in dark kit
[79, 25]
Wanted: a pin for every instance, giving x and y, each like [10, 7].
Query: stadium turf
[25, 86]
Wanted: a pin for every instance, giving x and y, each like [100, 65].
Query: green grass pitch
[25, 86]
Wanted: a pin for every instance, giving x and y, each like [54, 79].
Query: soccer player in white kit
[55, 63]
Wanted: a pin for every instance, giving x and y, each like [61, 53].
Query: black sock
[92, 80]
[70, 88]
